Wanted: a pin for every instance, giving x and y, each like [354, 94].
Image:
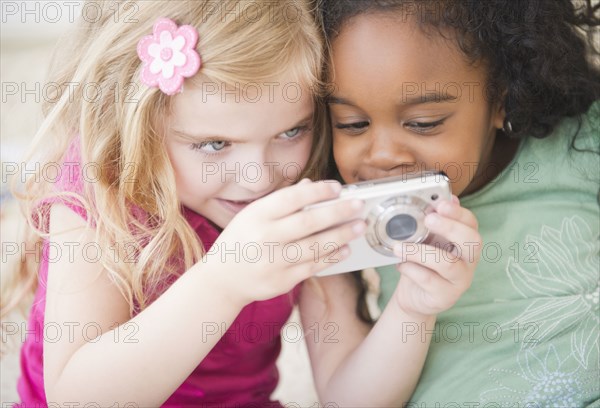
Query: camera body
[394, 211]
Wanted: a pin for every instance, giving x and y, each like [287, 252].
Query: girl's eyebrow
[338, 101]
[212, 138]
[429, 97]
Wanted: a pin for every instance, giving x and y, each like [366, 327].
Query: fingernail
[304, 181]
[432, 220]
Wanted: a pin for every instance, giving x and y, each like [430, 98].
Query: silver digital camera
[394, 211]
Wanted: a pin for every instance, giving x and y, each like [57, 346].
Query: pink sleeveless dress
[239, 371]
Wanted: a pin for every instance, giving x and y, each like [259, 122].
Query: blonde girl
[179, 168]
[137, 182]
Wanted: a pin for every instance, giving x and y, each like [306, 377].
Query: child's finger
[308, 222]
[430, 257]
[429, 281]
[453, 210]
[293, 198]
[466, 240]
[449, 266]
[329, 246]
[317, 262]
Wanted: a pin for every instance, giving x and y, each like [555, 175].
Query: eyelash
[418, 127]
[352, 128]
[424, 127]
[198, 147]
[302, 130]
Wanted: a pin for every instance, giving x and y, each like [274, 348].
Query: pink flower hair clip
[169, 55]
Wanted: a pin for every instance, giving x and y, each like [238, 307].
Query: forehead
[388, 50]
[240, 111]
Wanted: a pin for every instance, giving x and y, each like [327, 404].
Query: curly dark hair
[542, 57]
[540, 61]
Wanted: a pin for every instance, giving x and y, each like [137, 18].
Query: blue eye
[216, 146]
[292, 132]
[210, 147]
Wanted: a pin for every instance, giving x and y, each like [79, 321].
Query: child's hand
[432, 278]
[273, 244]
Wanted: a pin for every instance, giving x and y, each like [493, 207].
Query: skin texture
[237, 147]
[411, 103]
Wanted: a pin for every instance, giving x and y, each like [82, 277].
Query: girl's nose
[387, 156]
[257, 175]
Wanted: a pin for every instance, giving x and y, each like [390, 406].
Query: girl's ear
[499, 113]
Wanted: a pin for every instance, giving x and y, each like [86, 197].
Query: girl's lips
[238, 205]
[234, 206]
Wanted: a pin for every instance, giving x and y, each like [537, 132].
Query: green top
[526, 334]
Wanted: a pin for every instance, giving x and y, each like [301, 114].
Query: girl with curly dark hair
[503, 97]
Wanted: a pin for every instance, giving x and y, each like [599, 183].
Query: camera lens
[401, 227]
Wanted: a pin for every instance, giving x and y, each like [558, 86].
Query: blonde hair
[240, 42]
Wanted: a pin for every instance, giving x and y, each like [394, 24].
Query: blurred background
[29, 31]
